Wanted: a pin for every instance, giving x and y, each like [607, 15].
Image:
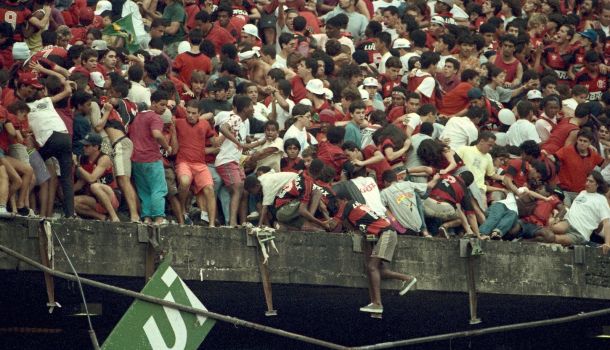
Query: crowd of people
[441, 118]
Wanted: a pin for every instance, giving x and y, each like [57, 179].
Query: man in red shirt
[456, 102]
[304, 69]
[188, 62]
[575, 164]
[191, 169]
[591, 78]
[507, 61]
[424, 83]
[370, 157]
[330, 151]
[214, 33]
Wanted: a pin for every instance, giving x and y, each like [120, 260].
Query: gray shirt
[400, 198]
[357, 21]
[412, 157]
[500, 94]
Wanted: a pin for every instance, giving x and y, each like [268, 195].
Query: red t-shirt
[574, 168]
[596, 85]
[543, 211]
[187, 62]
[16, 14]
[379, 167]
[558, 136]
[192, 139]
[78, 34]
[298, 89]
[365, 219]
[219, 36]
[145, 147]
[292, 165]
[517, 170]
[332, 155]
[456, 99]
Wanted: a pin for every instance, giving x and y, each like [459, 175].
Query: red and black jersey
[365, 219]
[452, 190]
[517, 170]
[298, 189]
[292, 165]
[560, 63]
[328, 196]
[387, 85]
[368, 45]
[107, 177]
[16, 14]
[596, 85]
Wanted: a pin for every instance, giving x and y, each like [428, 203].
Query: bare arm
[90, 177]
[67, 91]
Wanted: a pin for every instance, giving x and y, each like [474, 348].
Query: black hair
[602, 186]
[467, 177]
[335, 135]
[530, 148]
[389, 176]
[159, 95]
[79, 98]
[241, 102]
[291, 142]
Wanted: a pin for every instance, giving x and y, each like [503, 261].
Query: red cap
[29, 78]
[327, 116]
[85, 15]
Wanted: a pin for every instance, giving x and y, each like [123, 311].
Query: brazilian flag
[124, 28]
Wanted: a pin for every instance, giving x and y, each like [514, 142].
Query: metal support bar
[579, 254]
[471, 249]
[356, 242]
[44, 259]
[266, 279]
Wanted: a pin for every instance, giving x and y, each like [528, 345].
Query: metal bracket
[464, 248]
[33, 227]
[142, 233]
[579, 254]
[250, 240]
[356, 242]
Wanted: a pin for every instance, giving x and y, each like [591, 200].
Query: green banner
[152, 326]
[124, 28]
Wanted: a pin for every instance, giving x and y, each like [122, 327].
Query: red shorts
[114, 201]
[198, 173]
[231, 173]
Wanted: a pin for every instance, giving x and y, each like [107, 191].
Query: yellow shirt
[479, 164]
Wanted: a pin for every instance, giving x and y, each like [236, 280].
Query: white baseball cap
[370, 81]
[328, 94]
[401, 43]
[315, 86]
[102, 6]
[364, 95]
[98, 79]
[183, 47]
[250, 29]
[534, 94]
[506, 116]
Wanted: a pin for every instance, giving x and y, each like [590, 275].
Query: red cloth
[365, 219]
[456, 100]
[380, 167]
[145, 147]
[187, 62]
[299, 188]
[558, 136]
[298, 89]
[542, 212]
[574, 168]
[517, 170]
[509, 68]
[219, 36]
[332, 155]
[192, 139]
[16, 14]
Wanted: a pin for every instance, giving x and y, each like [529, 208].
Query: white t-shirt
[544, 128]
[272, 183]
[384, 59]
[272, 160]
[44, 120]
[280, 62]
[381, 4]
[588, 210]
[305, 139]
[229, 151]
[139, 94]
[426, 87]
[461, 131]
[522, 130]
[370, 192]
[282, 115]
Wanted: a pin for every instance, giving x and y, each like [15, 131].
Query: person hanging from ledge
[380, 242]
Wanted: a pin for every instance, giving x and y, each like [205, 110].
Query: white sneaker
[253, 215]
[204, 216]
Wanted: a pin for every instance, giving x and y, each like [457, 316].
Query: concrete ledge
[325, 259]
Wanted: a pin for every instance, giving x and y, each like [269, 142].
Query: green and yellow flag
[124, 29]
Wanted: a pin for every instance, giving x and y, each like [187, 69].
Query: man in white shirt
[298, 130]
[383, 42]
[523, 129]
[288, 44]
[51, 133]
[138, 93]
[391, 21]
[462, 131]
[269, 184]
[378, 5]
